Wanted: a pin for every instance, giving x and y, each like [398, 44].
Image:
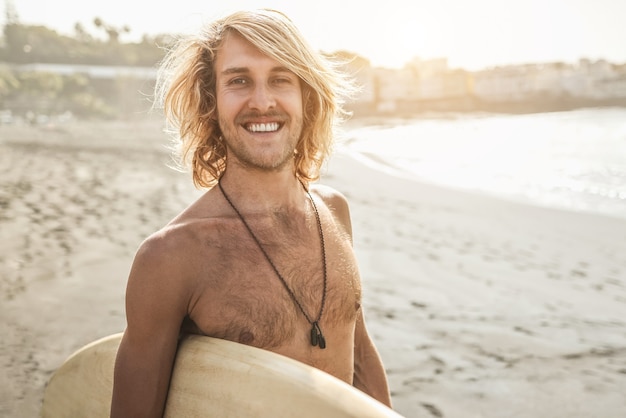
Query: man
[263, 258]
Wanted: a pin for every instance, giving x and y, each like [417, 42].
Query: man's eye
[282, 80]
[238, 81]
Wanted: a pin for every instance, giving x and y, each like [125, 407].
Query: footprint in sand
[434, 411]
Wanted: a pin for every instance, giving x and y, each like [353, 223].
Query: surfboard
[211, 378]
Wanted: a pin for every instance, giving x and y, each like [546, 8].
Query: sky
[471, 34]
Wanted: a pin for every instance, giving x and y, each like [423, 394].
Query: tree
[113, 32]
[24, 91]
[81, 34]
[27, 44]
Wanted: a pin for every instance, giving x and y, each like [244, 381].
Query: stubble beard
[270, 160]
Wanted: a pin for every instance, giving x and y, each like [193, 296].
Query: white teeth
[263, 127]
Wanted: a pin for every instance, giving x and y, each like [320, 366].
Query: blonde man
[264, 257]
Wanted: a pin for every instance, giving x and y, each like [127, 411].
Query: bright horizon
[471, 35]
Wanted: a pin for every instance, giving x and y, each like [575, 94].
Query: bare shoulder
[174, 244]
[161, 262]
[180, 245]
[169, 244]
[337, 204]
[328, 194]
[167, 262]
[334, 200]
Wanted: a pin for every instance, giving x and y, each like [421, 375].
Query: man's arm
[156, 303]
[369, 373]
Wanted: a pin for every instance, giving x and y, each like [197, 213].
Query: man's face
[259, 106]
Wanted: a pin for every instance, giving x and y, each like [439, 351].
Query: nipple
[246, 337]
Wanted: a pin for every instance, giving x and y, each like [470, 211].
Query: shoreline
[480, 307]
[546, 160]
[387, 168]
[474, 105]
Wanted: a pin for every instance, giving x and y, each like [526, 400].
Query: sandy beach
[479, 307]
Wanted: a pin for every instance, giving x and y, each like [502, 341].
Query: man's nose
[262, 98]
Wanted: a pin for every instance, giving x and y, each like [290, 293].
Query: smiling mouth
[262, 127]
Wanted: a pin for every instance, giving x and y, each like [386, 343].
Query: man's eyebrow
[244, 70]
[235, 70]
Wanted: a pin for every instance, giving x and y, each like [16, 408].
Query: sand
[479, 307]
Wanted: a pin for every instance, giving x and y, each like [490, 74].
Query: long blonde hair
[186, 90]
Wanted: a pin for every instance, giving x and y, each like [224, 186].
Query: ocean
[573, 160]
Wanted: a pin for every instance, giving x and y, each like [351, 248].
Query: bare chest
[268, 300]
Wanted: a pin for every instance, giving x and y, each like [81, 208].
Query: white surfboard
[211, 378]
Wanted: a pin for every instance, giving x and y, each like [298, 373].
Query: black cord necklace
[317, 339]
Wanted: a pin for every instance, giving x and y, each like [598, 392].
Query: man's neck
[264, 191]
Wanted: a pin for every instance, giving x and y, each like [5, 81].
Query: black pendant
[317, 339]
[313, 336]
[321, 341]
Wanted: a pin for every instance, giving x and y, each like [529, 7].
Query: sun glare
[470, 35]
